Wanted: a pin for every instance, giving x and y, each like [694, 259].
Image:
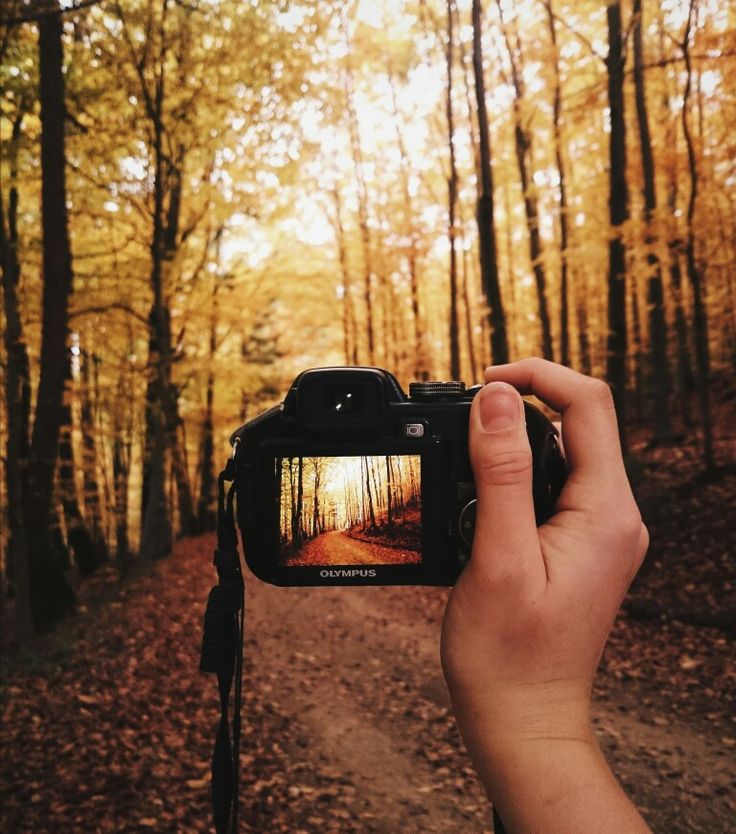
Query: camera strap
[222, 654]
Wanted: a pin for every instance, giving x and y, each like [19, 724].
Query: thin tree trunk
[695, 273]
[486, 225]
[659, 373]
[78, 535]
[564, 232]
[585, 363]
[207, 505]
[92, 494]
[371, 512]
[638, 357]
[684, 377]
[420, 360]
[454, 328]
[50, 593]
[523, 148]
[365, 235]
[616, 344]
[350, 341]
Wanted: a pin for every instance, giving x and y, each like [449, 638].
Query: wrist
[498, 719]
[540, 764]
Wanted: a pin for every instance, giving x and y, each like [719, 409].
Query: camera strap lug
[222, 654]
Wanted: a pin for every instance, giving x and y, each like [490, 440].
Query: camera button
[414, 430]
[466, 522]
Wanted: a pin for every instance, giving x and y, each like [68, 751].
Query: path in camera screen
[339, 548]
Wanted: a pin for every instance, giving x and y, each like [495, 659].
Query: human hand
[526, 624]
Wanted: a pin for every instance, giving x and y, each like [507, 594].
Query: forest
[201, 198]
[371, 499]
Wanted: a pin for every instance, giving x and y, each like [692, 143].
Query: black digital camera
[351, 482]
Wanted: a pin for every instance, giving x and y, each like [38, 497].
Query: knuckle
[503, 468]
[599, 392]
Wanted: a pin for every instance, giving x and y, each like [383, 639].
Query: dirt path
[365, 694]
[347, 722]
[339, 548]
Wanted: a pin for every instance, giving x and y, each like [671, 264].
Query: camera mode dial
[432, 390]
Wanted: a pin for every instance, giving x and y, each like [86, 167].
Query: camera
[349, 481]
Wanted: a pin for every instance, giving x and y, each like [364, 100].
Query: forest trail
[338, 547]
[347, 720]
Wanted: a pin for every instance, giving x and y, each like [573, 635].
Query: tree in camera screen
[361, 510]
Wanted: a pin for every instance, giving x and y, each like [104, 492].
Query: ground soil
[107, 725]
[339, 547]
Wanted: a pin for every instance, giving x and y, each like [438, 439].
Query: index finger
[589, 426]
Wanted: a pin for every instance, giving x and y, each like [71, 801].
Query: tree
[486, 226]
[454, 336]
[618, 204]
[564, 230]
[50, 593]
[659, 374]
[523, 148]
[694, 270]
[17, 390]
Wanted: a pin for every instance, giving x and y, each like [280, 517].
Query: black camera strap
[222, 654]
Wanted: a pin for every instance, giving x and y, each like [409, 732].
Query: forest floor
[107, 726]
[339, 547]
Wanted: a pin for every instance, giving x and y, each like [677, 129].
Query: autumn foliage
[199, 199]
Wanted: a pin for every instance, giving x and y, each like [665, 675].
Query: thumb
[505, 538]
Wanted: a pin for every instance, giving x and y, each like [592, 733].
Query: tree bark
[207, 504]
[523, 148]
[658, 371]
[17, 397]
[696, 274]
[421, 370]
[51, 595]
[454, 328]
[365, 235]
[92, 494]
[486, 224]
[618, 202]
[564, 230]
[78, 535]
[350, 342]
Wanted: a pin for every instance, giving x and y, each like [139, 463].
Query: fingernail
[499, 407]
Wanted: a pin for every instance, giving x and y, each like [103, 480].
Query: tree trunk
[17, 398]
[50, 593]
[486, 225]
[564, 231]
[523, 148]
[420, 359]
[207, 504]
[638, 357]
[92, 494]
[695, 273]
[618, 202]
[658, 371]
[454, 330]
[350, 341]
[365, 235]
[78, 535]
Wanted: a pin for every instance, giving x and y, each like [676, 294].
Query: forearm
[557, 786]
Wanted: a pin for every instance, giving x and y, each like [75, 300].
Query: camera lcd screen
[350, 510]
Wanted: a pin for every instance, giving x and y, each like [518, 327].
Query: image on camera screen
[350, 510]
